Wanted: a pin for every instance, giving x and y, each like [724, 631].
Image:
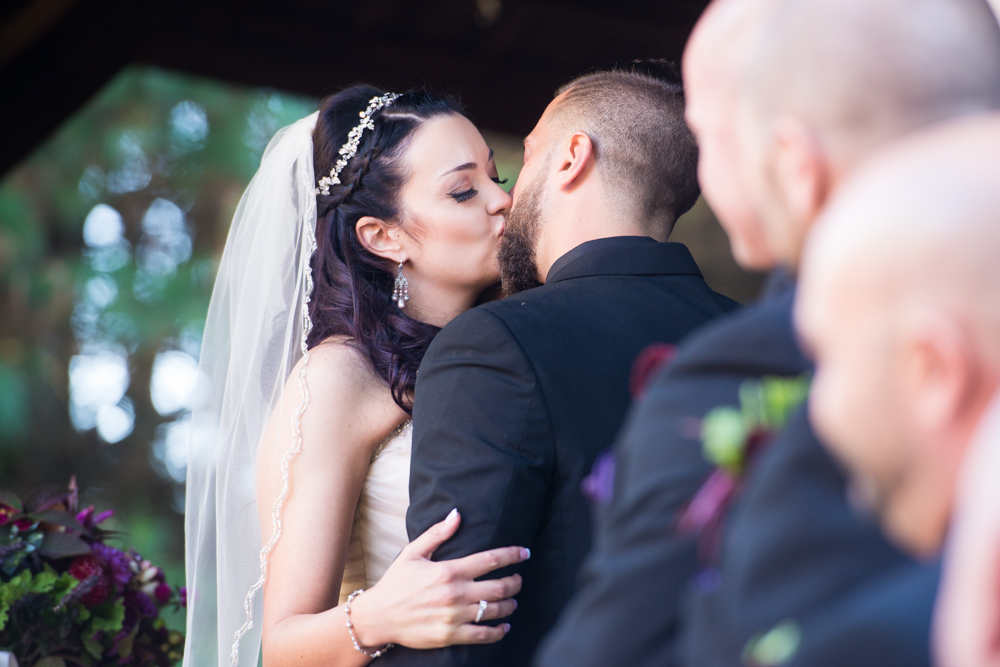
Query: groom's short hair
[644, 151]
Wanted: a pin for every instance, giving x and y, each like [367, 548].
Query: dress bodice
[379, 530]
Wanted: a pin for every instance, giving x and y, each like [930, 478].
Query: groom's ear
[380, 238]
[575, 161]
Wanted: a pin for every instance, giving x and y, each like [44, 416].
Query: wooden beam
[505, 60]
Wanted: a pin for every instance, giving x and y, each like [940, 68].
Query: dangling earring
[401, 292]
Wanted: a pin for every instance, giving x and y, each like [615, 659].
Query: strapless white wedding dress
[379, 530]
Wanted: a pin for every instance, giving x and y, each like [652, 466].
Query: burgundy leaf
[10, 499]
[709, 503]
[46, 497]
[63, 545]
[59, 518]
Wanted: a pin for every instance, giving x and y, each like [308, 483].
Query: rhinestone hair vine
[348, 150]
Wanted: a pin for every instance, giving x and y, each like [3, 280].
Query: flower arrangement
[730, 437]
[67, 598]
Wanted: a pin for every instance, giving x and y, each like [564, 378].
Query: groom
[516, 398]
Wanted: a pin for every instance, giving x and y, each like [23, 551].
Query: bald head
[862, 72]
[712, 65]
[828, 81]
[720, 42]
[899, 301]
[922, 222]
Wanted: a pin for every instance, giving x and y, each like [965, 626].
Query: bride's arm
[418, 602]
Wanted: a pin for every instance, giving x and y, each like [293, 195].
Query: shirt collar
[594, 246]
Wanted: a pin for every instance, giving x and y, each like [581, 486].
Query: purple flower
[140, 603]
[117, 561]
[88, 520]
[85, 514]
[163, 593]
[599, 485]
[183, 596]
[708, 580]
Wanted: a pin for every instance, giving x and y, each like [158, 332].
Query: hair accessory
[401, 290]
[482, 610]
[348, 150]
[350, 628]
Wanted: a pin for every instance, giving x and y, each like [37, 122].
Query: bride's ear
[380, 238]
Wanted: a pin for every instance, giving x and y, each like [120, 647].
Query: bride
[369, 225]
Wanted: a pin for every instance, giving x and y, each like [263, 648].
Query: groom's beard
[518, 267]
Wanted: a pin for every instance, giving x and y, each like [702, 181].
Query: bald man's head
[712, 64]
[899, 302]
[830, 80]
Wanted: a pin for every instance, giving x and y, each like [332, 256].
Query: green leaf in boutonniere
[730, 436]
[723, 437]
[773, 648]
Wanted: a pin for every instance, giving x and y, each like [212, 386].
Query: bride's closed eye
[466, 195]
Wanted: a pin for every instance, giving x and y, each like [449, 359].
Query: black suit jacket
[885, 622]
[795, 551]
[626, 612]
[514, 401]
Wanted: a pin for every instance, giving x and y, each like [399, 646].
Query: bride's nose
[499, 203]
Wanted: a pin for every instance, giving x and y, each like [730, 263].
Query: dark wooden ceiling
[505, 57]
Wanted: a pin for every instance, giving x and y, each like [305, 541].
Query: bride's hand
[424, 604]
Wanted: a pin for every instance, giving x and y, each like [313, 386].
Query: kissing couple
[381, 467]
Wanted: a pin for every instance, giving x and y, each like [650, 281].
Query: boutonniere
[730, 438]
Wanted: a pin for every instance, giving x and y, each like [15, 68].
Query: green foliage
[47, 582]
[107, 617]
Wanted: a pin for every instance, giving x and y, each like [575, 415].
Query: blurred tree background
[109, 238]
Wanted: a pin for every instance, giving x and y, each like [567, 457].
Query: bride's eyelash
[465, 195]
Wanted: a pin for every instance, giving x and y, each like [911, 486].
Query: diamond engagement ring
[482, 610]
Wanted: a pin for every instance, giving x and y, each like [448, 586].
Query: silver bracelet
[350, 628]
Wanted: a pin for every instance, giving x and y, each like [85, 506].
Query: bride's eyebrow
[466, 167]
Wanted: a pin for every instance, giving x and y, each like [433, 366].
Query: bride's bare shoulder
[345, 385]
[339, 360]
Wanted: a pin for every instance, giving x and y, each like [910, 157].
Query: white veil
[254, 335]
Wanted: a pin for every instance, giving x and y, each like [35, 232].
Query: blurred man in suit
[899, 305]
[801, 579]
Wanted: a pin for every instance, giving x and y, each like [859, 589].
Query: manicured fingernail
[515, 604]
[525, 553]
[506, 628]
[451, 515]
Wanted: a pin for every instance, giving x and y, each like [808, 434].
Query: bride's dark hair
[352, 296]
